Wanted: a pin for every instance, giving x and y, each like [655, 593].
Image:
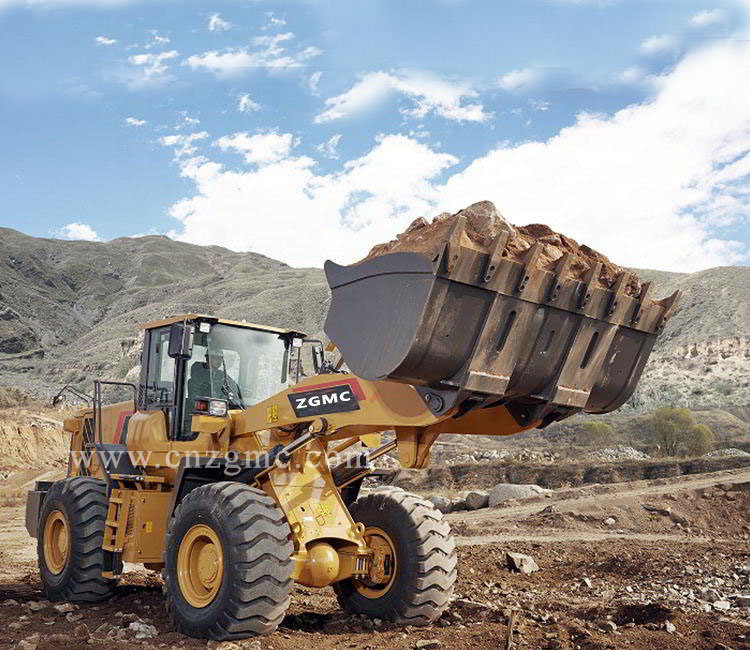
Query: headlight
[216, 407]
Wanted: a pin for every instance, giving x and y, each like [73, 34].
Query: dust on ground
[670, 575]
[484, 223]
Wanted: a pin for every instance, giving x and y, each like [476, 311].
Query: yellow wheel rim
[56, 542]
[384, 564]
[200, 565]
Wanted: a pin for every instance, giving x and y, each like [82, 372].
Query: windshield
[241, 365]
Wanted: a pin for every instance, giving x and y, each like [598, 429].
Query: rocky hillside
[703, 358]
[69, 312]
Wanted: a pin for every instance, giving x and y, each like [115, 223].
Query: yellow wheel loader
[234, 473]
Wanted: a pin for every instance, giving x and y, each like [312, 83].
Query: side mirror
[180, 341]
[318, 354]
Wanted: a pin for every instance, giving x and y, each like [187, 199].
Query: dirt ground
[649, 564]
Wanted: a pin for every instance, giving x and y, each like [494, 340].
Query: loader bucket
[468, 325]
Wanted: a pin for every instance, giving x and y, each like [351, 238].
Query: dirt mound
[484, 223]
[29, 440]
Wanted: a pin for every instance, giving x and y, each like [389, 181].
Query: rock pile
[476, 499]
[484, 223]
[492, 455]
[613, 454]
[729, 451]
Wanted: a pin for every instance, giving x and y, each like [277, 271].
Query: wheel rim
[200, 565]
[384, 564]
[56, 542]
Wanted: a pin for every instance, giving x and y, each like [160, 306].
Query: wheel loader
[233, 471]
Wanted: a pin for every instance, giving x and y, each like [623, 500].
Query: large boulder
[476, 499]
[504, 491]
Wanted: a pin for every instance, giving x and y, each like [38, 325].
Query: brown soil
[598, 587]
[30, 437]
[484, 223]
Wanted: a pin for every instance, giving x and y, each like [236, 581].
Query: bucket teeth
[562, 267]
[529, 265]
[618, 291]
[643, 298]
[589, 281]
[496, 256]
[453, 249]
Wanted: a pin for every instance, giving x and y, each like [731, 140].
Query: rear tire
[228, 563]
[425, 560]
[69, 544]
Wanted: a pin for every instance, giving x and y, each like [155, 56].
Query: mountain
[702, 360]
[69, 312]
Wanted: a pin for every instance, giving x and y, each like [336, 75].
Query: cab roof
[176, 319]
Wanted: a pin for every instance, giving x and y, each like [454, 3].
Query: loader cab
[198, 358]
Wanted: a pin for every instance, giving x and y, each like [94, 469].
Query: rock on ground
[443, 504]
[504, 491]
[521, 563]
[477, 499]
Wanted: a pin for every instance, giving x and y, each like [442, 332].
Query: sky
[308, 130]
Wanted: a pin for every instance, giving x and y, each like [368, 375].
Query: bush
[596, 434]
[677, 433]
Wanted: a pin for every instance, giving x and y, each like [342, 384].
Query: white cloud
[186, 120]
[648, 186]
[134, 121]
[329, 148]
[183, 143]
[369, 200]
[632, 75]
[659, 44]
[539, 105]
[246, 104]
[103, 40]
[217, 24]
[274, 22]
[428, 94]
[708, 18]
[261, 148]
[273, 43]
[638, 185]
[150, 70]
[80, 231]
[80, 91]
[157, 38]
[236, 61]
[313, 82]
[520, 80]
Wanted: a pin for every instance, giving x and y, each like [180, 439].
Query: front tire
[69, 544]
[229, 563]
[417, 583]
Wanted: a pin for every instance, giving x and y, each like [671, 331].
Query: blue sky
[312, 129]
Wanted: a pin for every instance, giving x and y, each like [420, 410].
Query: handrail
[98, 383]
[74, 391]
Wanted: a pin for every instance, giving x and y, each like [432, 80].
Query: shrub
[678, 434]
[596, 434]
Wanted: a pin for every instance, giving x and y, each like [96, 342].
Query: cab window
[240, 365]
[160, 377]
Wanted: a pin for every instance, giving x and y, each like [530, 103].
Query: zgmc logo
[335, 399]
